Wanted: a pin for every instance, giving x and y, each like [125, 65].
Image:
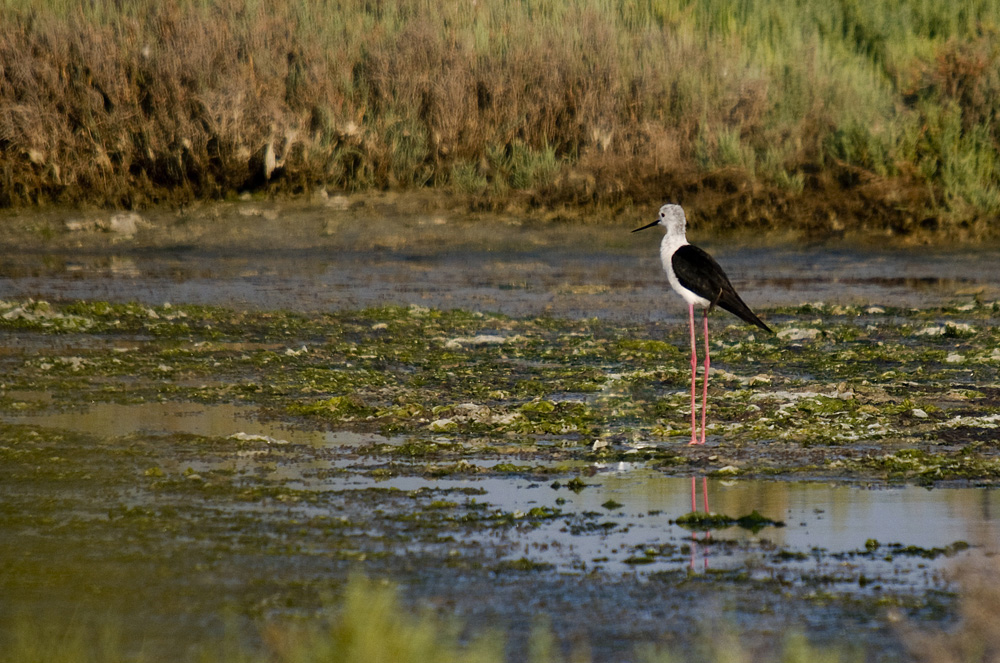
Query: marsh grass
[372, 626]
[559, 102]
[54, 642]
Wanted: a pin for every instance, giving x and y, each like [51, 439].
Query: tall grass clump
[892, 104]
[371, 626]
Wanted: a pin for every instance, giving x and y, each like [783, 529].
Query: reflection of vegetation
[894, 102]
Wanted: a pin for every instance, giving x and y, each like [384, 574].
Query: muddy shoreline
[206, 222]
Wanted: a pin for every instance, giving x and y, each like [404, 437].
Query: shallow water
[827, 522]
[827, 525]
[220, 420]
[311, 258]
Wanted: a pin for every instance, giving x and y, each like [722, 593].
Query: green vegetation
[820, 115]
[266, 524]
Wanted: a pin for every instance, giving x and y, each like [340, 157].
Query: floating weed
[522, 565]
[648, 554]
[927, 553]
[413, 448]
[698, 521]
[888, 551]
[337, 408]
[576, 484]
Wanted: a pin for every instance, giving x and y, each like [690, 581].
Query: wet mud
[354, 254]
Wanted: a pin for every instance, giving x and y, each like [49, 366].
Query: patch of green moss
[336, 407]
[522, 565]
[926, 468]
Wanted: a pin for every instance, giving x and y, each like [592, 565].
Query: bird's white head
[671, 217]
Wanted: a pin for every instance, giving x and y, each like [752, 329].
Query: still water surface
[310, 258]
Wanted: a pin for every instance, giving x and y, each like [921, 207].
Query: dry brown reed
[810, 116]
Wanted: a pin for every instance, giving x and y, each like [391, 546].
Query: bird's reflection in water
[707, 534]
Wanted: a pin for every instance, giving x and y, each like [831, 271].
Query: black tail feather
[737, 307]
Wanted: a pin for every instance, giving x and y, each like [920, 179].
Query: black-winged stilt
[698, 279]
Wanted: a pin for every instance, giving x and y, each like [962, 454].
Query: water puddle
[623, 522]
[218, 420]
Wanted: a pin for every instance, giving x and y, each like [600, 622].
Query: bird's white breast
[670, 244]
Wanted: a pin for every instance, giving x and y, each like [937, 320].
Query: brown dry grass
[562, 105]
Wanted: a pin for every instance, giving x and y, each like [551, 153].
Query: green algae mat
[901, 395]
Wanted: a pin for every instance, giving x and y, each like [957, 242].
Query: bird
[700, 281]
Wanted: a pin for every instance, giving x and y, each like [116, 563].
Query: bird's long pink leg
[704, 389]
[694, 378]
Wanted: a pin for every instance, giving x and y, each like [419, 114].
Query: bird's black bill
[648, 225]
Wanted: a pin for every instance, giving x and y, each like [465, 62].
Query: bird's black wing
[701, 274]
